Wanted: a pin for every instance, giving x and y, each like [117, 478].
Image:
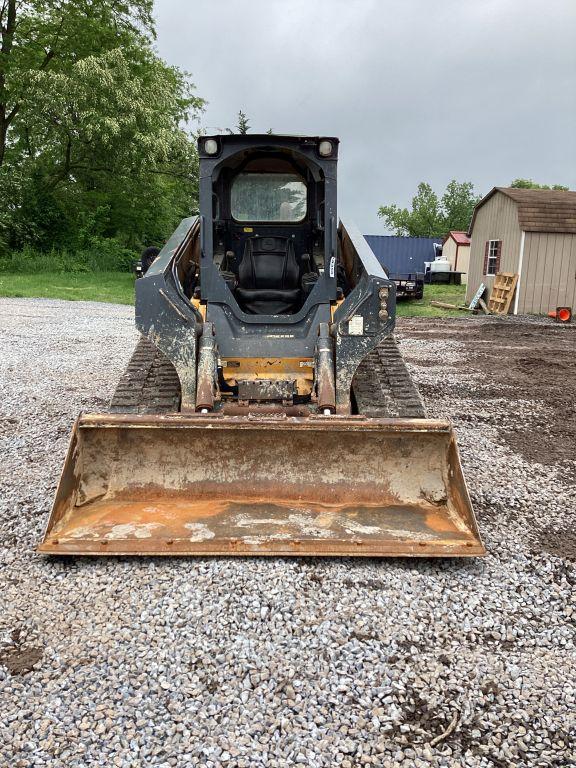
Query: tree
[242, 126]
[93, 125]
[41, 35]
[529, 184]
[431, 216]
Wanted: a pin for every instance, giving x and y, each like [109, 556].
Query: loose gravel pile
[280, 662]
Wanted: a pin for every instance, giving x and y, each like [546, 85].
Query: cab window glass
[279, 197]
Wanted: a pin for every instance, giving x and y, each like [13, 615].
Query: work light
[325, 148]
[211, 146]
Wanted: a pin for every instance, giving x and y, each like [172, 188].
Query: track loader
[266, 409]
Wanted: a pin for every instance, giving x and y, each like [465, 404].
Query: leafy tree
[458, 203]
[93, 126]
[243, 125]
[430, 215]
[40, 35]
[529, 184]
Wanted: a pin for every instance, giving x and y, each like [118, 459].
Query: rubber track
[382, 385]
[148, 385]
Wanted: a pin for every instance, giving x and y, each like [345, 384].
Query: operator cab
[265, 226]
[267, 262]
[268, 211]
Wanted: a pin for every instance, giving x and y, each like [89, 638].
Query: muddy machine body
[266, 409]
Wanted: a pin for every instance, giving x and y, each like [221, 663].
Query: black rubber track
[148, 385]
[382, 385]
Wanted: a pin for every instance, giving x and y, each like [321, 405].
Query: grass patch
[110, 287]
[451, 294]
[103, 255]
[118, 288]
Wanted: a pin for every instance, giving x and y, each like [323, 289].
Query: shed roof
[403, 255]
[461, 238]
[539, 210]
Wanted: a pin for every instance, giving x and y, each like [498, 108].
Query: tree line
[95, 146]
[432, 215]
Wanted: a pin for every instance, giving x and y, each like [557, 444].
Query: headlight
[325, 148]
[211, 146]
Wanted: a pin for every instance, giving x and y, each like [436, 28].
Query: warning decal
[356, 326]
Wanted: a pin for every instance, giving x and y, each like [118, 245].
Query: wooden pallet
[502, 292]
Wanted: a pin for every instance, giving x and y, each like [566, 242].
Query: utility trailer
[410, 286]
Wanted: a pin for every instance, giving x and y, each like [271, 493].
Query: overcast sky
[416, 90]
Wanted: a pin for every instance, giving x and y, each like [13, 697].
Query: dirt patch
[519, 361]
[363, 637]
[558, 543]
[365, 583]
[418, 713]
[18, 659]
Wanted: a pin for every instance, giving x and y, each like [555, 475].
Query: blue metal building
[403, 255]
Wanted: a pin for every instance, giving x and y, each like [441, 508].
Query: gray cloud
[478, 90]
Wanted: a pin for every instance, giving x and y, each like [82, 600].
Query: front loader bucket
[225, 485]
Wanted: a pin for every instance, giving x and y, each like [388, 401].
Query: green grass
[118, 288]
[110, 287]
[451, 294]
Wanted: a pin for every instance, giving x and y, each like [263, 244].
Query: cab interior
[268, 230]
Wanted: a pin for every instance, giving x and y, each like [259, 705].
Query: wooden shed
[531, 232]
[456, 249]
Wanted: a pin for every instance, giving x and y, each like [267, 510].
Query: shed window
[492, 257]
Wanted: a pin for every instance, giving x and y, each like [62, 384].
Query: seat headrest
[268, 244]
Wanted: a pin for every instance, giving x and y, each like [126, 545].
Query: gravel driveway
[238, 662]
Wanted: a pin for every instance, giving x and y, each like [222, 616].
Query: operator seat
[269, 277]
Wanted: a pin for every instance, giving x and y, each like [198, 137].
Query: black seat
[269, 277]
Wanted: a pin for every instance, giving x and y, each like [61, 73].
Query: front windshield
[268, 197]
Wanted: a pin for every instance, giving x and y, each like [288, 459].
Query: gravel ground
[239, 662]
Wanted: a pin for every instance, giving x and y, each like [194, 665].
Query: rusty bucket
[237, 485]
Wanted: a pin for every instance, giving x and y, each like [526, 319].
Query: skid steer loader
[266, 409]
